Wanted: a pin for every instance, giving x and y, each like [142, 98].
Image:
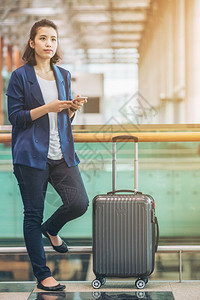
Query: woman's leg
[69, 185]
[33, 184]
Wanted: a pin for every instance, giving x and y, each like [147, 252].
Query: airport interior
[138, 62]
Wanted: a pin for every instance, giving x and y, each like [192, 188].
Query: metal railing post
[180, 266]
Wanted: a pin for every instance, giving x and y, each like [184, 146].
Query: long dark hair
[29, 53]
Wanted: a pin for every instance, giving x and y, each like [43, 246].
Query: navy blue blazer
[30, 139]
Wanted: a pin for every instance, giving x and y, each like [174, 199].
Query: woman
[43, 146]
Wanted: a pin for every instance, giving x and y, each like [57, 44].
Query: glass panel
[166, 267]
[169, 172]
[191, 266]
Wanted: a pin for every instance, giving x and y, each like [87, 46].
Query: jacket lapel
[34, 85]
[60, 83]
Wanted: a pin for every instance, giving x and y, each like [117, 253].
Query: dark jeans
[33, 184]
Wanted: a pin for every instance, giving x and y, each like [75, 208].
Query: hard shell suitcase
[125, 230]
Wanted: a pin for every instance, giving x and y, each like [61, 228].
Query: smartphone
[81, 98]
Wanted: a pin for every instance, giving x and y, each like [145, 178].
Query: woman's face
[45, 43]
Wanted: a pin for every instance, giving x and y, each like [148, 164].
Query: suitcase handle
[123, 138]
[157, 234]
[123, 191]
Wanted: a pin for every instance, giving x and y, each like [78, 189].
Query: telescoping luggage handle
[123, 138]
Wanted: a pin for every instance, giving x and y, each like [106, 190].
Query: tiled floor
[112, 290]
[107, 296]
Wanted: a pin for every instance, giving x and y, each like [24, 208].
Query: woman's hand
[53, 106]
[58, 105]
[77, 103]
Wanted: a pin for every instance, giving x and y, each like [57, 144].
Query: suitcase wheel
[98, 282]
[140, 283]
[146, 280]
[103, 280]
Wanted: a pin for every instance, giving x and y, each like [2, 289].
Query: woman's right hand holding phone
[78, 102]
[57, 106]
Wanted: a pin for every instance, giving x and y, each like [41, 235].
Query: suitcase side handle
[157, 234]
[125, 137]
[123, 191]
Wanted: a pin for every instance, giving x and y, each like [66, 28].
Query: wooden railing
[106, 137]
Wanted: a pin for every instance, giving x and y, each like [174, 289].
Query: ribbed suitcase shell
[123, 235]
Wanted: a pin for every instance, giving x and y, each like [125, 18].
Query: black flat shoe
[61, 249]
[58, 287]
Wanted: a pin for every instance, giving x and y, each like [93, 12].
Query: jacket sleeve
[67, 77]
[69, 86]
[70, 91]
[17, 114]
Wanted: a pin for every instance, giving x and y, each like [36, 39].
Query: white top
[50, 93]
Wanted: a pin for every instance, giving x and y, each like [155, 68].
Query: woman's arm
[53, 106]
[17, 114]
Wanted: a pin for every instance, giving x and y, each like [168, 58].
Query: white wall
[90, 85]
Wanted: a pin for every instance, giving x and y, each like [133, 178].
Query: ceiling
[90, 31]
